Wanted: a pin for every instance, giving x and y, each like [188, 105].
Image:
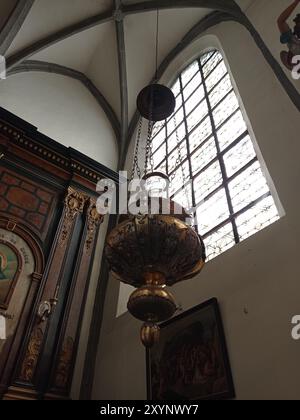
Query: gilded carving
[163, 242]
[32, 354]
[74, 204]
[64, 364]
[94, 219]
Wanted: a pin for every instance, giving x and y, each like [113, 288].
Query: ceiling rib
[14, 23]
[41, 66]
[122, 72]
[206, 23]
[56, 37]
[232, 12]
[200, 27]
[228, 6]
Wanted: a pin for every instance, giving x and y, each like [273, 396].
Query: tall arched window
[218, 163]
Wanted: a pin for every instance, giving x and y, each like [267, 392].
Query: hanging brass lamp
[151, 252]
[153, 249]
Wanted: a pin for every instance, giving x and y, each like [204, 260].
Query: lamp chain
[135, 168]
[179, 161]
[149, 155]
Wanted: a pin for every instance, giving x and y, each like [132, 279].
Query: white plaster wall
[63, 109]
[260, 275]
[264, 17]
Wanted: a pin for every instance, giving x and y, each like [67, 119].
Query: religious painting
[9, 271]
[190, 361]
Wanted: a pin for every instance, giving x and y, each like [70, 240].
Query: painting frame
[14, 280]
[190, 316]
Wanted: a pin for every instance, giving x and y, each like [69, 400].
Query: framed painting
[191, 362]
[10, 267]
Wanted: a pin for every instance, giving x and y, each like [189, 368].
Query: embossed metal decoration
[154, 249]
[151, 252]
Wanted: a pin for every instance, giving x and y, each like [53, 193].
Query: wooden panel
[63, 364]
[47, 196]
[26, 201]
[74, 204]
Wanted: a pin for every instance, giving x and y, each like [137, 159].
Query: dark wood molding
[26, 142]
[15, 342]
[38, 168]
[5, 305]
[32, 241]
[65, 355]
[21, 394]
[33, 344]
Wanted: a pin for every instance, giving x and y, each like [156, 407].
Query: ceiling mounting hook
[118, 15]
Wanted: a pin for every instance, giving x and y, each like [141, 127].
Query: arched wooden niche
[18, 249]
[21, 231]
[22, 266]
[10, 268]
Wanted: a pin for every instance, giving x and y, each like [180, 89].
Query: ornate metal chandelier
[153, 249]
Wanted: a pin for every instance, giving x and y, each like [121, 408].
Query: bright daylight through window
[218, 164]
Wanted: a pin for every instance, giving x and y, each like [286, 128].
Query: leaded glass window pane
[219, 241]
[220, 91]
[238, 156]
[212, 212]
[159, 155]
[231, 130]
[215, 76]
[247, 187]
[201, 133]
[194, 100]
[189, 73]
[211, 64]
[159, 139]
[192, 86]
[204, 156]
[225, 109]
[197, 115]
[257, 218]
[207, 181]
[225, 184]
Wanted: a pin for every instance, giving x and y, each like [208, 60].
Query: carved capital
[74, 204]
[94, 219]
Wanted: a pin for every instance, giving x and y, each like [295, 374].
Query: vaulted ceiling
[108, 45]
